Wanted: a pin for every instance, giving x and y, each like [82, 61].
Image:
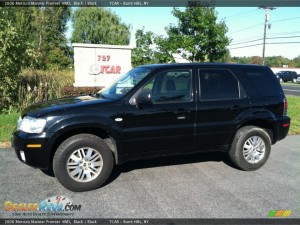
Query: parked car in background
[285, 76]
[298, 78]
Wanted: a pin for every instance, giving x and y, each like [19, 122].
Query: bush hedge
[37, 85]
[74, 91]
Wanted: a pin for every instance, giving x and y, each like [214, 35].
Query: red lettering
[106, 69]
[103, 58]
[102, 69]
[112, 70]
[118, 69]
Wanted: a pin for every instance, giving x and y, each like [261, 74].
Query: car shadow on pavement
[169, 161]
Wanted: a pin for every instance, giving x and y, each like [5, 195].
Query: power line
[247, 46]
[246, 28]
[262, 39]
[275, 21]
[246, 42]
[279, 33]
[289, 42]
[293, 18]
[269, 43]
[240, 13]
[250, 38]
[282, 37]
[245, 16]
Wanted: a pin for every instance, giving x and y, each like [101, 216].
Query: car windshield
[124, 83]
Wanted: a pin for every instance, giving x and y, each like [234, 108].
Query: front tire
[250, 148]
[83, 162]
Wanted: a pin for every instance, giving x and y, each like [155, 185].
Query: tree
[256, 60]
[12, 52]
[50, 25]
[197, 36]
[297, 61]
[146, 51]
[99, 26]
[226, 58]
[276, 61]
[42, 31]
[241, 60]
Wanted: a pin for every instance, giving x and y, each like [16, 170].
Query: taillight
[285, 107]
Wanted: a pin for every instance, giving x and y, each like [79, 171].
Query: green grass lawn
[290, 84]
[7, 125]
[9, 122]
[294, 113]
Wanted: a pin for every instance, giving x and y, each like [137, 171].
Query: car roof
[169, 65]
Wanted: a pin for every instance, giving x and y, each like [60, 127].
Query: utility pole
[267, 17]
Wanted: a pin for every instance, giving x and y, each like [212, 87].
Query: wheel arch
[99, 132]
[267, 125]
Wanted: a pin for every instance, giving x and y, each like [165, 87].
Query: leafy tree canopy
[197, 36]
[12, 52]
[99, 26]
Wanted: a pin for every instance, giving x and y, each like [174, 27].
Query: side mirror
[143, 98]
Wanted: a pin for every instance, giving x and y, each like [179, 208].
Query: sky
[245, 27]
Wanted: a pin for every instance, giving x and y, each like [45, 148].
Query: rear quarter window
[263, 81]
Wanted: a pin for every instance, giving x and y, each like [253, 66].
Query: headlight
[31, 125]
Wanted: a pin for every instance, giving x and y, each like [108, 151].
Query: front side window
[170, 86]
[125, 83]
[218, 84]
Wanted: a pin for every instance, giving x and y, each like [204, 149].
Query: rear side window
[218, 84]
[264, 81]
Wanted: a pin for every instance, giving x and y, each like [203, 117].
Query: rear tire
[83, 162]
[250, 148]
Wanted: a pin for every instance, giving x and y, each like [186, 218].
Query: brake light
[285, 107]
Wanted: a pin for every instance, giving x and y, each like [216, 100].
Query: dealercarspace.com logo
[56, 205]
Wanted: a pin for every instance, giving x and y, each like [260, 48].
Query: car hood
[46, 107]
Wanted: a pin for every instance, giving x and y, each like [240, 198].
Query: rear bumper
[34, 155]
[282, 127]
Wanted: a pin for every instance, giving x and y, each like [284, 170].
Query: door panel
[221, 104]
[167, 124]
[217, 122]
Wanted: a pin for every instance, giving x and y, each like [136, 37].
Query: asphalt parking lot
[198, 186]
[291, 89]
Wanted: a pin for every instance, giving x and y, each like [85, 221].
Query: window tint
[170, 86]
[264, 81]
[218, 84]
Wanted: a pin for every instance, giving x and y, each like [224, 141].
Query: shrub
[36, 85]
[74, 91]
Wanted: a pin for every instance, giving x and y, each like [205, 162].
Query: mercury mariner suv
[155, 111]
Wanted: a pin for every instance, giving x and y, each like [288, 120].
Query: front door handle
[181, 111]
[235, 107]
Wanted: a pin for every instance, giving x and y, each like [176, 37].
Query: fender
[62, 126]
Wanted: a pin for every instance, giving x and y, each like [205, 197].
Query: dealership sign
[99, 65]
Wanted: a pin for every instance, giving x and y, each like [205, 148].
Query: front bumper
[32, 147]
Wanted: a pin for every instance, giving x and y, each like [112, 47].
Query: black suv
[285, 76]
[153, 111]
